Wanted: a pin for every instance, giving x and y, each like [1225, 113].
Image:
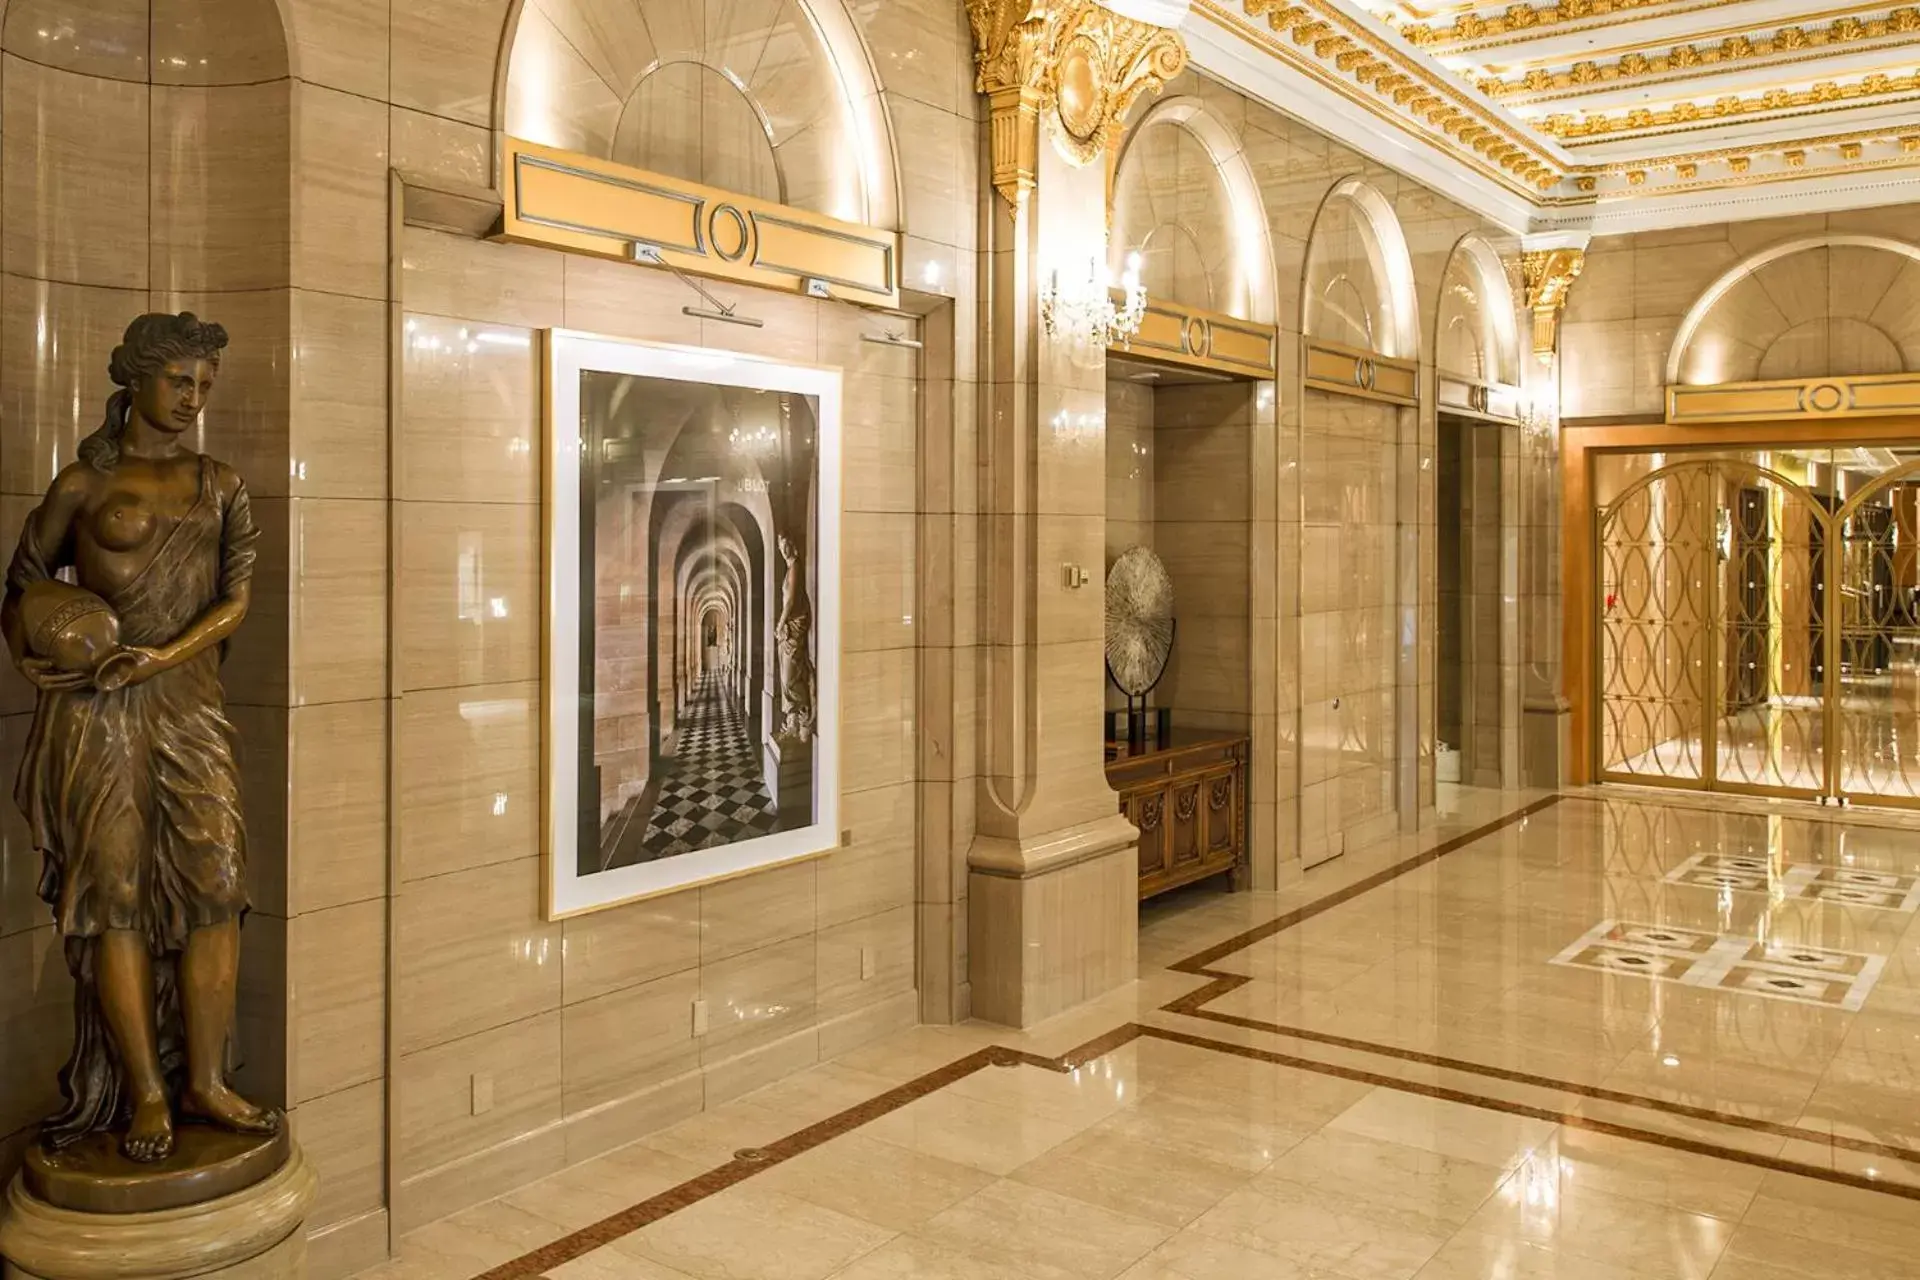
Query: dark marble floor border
[751, 1161]
[1200, 964]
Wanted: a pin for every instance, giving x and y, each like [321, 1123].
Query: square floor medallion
[1775, 970]
[1813, 881]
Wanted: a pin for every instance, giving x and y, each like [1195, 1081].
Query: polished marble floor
[1379, 1071]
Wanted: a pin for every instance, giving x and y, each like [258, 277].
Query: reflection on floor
[1377, 1072]
[713, 793]
[1779, 744]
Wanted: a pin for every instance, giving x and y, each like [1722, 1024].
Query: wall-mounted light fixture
[1090, 311]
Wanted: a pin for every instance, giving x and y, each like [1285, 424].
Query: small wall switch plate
[482, 1093]
[699, 1017]
[1076, 577]
[866, 963]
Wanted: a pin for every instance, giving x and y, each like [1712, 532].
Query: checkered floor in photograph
[713, 793]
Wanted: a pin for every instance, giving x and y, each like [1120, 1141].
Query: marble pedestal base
[1052, 922]
[255, 1234]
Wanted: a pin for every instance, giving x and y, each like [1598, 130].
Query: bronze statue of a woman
[129, 783]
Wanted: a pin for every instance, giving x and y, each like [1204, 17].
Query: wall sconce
[1090, 311]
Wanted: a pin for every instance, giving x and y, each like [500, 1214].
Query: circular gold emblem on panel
[727, 232]
[1083, 98]
[1826, 397]
[1199, 338]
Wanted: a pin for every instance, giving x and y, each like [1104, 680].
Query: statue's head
[165, 366]
[787, 551]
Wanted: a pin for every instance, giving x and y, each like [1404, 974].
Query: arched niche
[769, 98]
[1185, 200]
[1476, 336]
[1819, 306]
[1358, 288]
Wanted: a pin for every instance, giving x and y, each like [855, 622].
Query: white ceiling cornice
[1814, 109]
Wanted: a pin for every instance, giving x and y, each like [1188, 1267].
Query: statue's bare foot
[150, 1135]
[224, 1107]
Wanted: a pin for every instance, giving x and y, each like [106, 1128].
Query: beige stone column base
[256, 1234]
[1053, 921]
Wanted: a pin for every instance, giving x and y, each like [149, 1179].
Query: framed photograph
[692, 718]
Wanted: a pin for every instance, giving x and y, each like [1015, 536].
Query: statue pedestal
[254, 1234]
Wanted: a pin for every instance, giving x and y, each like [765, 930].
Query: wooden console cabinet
[1189, 800]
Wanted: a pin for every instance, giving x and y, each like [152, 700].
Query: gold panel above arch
[1803, 399]
[1366, 375]
[585, 205]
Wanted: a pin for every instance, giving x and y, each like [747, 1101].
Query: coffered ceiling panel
[1603, 114]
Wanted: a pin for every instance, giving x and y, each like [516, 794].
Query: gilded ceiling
[1587, 103]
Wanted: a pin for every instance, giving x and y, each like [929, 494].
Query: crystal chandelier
[1092, 311]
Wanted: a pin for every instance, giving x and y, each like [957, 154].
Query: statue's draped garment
[133, 797]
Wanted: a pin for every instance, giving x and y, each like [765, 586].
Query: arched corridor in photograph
[702, 516]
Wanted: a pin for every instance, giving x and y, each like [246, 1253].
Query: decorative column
[1548, 268]
[1052, 899]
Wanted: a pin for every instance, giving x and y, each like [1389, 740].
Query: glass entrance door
[1759, 622]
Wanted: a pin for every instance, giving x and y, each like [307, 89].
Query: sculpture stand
[255, 1232]
[790, 774]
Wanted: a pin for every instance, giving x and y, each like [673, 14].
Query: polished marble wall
[382, 399]
[1844, 308]
[257, 157]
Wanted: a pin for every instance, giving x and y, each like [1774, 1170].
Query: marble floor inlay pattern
[1748, 873]
[1373, 1074]
[1774, 971]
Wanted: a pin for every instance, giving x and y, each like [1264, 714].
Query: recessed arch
[1240, 279]
[568, 71]
[1476, 333]
[1358, 285]
[1709, 367]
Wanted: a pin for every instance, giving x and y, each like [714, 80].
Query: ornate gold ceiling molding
[1873, 89]
[1351, 52]
[1685, 60]
[1547, 275]
[1527, 21]
[1077, 64]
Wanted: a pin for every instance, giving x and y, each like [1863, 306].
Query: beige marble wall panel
[470, 770]
[337, 967]
[434, 1092]
[879, 453]
[609, 951]
[340, 43]
[345, 1135]
[218, 226]
[882, 943]
[1100, 952]
[629, 1041]
[109, 38]
[755, 911]
[877, 716]
[624, 300]
[339, 192]
[337, 804]
[338, 396]
[878, 591]
[436, 147]
[442, 55]
[339, 618]
[875, 872]
[216, 42]
[469, 593]
[922, 50]
[757, 998]
[256, 671]
[72, 221]
[504, 284]
[474, 954]
[55, 341]
[470, 412]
